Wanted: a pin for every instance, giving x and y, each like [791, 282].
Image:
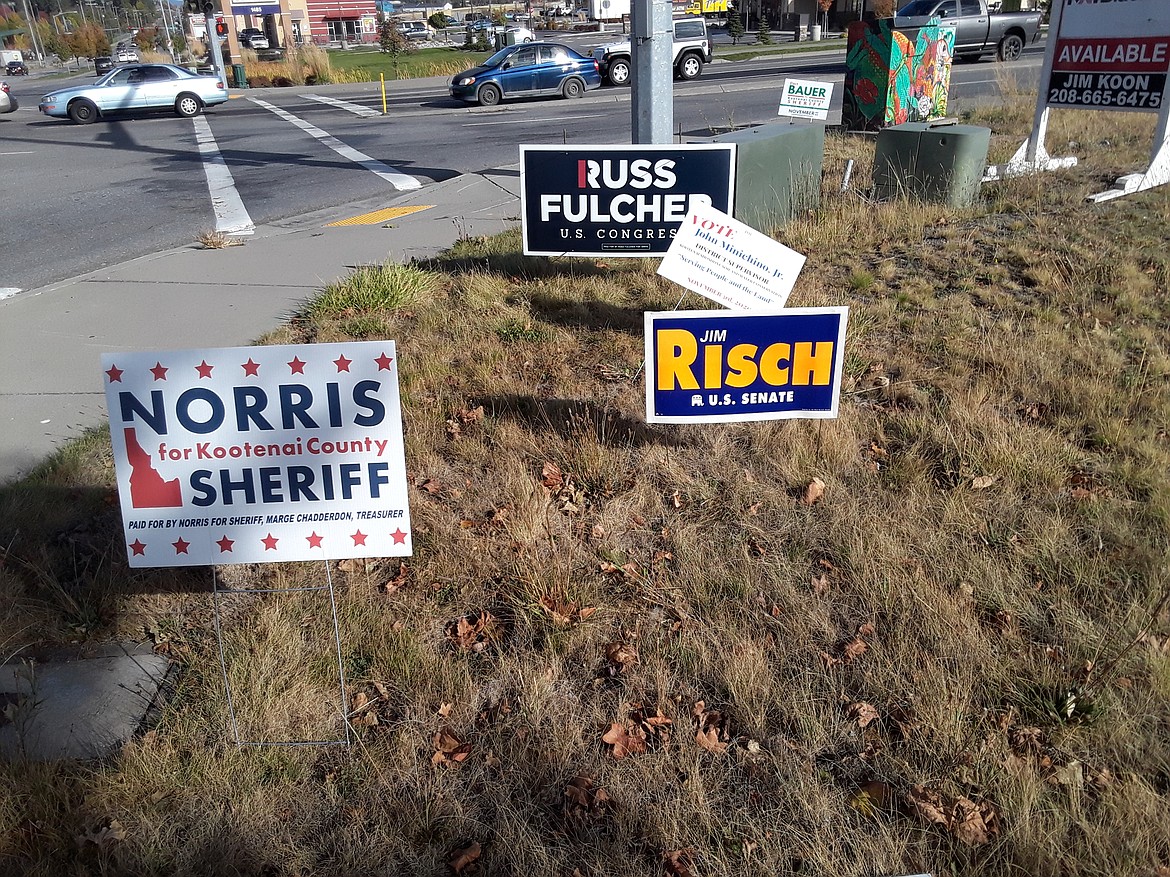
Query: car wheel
[1011, 47]
[83, 112]
[187, 105]
[690, 67]
[619, 72]
[528, 39]
[488, 95]
[572, 87]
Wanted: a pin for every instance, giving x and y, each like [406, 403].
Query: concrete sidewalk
[52, 339]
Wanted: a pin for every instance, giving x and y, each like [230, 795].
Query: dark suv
[16, 68]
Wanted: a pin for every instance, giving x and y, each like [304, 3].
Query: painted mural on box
[890, 79]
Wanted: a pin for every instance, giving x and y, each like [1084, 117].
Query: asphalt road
[80, 197]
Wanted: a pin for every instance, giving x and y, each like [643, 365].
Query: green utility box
[777, 172]
[937, 161]
[240, 75]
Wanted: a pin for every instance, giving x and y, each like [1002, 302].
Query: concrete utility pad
[81, 704]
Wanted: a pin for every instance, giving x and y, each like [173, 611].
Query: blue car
[527, 70]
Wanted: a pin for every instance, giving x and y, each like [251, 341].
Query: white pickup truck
[692, 49]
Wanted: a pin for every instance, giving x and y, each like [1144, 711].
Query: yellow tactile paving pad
[384, 215]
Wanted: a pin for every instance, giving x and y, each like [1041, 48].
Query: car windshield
[499, 57]
[918, 7]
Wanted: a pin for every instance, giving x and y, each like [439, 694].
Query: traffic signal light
[220, 28]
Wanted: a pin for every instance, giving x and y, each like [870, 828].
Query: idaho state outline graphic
[147, 488]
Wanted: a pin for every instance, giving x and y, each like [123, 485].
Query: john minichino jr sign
[256, 454]
[617, 200]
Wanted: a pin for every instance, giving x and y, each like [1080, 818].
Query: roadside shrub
[259, 82]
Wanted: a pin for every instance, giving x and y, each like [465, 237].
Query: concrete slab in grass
[78, 704]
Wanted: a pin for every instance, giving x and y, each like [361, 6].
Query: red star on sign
[314, 540]
[359, 538]
[251, 369]
[181, 546]
[225, 544]
[399, 537]
[269, 542]
[384, 362]
[296, 367]
[342, 363]
[115, 374]
[138, 547]
[159, 371]
[204, 369]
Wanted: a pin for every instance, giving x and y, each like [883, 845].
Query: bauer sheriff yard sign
[625, 200]
[729, 262]
[258, 454]
[718, 366]
[806, 99]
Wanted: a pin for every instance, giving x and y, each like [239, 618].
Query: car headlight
[466, 80]
[49, 99]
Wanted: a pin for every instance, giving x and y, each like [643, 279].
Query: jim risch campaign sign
[626, 200]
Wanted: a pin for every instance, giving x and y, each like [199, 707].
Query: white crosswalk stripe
[231, 216]
[349, 107]
[394, 177]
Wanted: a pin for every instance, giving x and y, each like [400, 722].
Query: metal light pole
[32, 34]
[162, 5]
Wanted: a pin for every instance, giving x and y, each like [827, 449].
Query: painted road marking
[29, 152]
[231, 217]
[378, 216]
[529, 121]
[356, 109]
[8, 291]
[394, 177]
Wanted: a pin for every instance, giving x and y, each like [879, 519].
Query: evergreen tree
[764, 33]
[734, 24]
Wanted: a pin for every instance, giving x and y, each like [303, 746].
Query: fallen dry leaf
[813, 492]
[820, 585]
[449, 749]
[863, 713]
[103, 835]
[551, 476]
[623, 741]
[464, 856]
[430, 485]
[621, 657]
[679, 863]
[982, 482]
[475, 632]
[854, 649]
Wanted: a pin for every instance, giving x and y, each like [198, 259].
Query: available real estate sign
[724, 366]
[624, 200]
[1110, 54]
[257, 454]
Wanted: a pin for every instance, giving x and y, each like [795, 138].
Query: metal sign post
[652, 47]
[260, 455]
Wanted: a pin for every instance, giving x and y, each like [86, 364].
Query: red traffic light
[220, 29]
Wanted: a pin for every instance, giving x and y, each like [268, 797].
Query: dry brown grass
[984, 571]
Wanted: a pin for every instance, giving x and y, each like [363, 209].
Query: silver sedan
[136, 88]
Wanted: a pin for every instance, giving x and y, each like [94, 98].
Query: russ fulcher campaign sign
[255, 454]
[618, 200]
